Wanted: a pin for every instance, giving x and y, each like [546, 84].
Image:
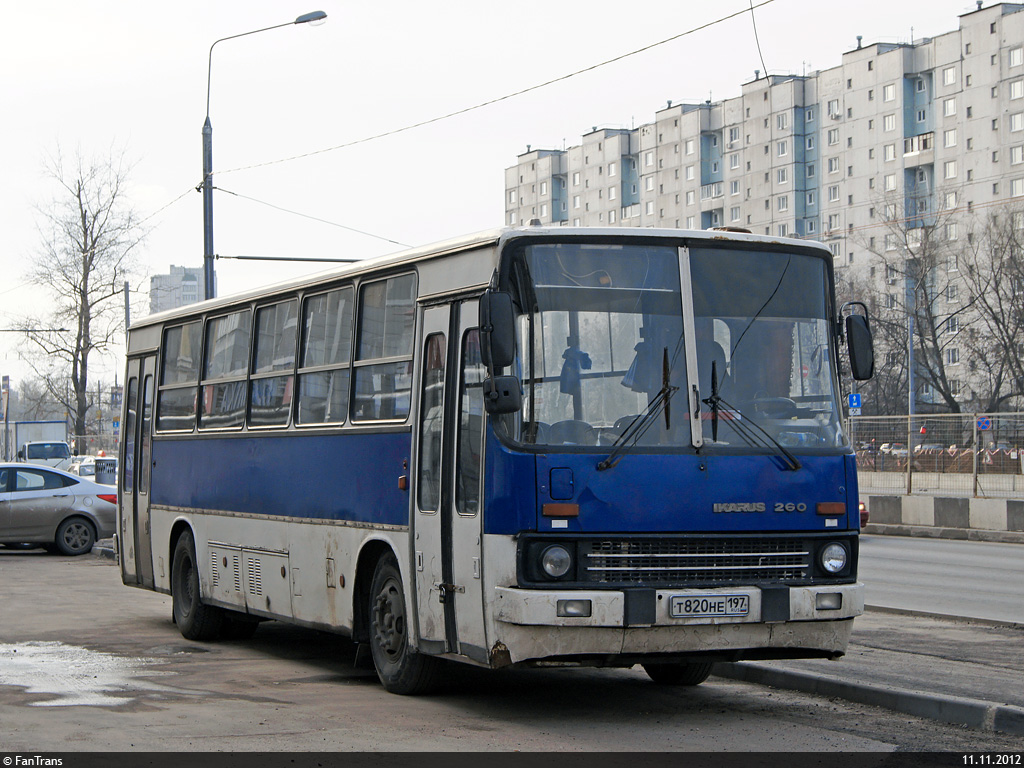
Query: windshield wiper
[659, 404]
[754, 437]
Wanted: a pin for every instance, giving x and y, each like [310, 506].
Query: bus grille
[680, 562]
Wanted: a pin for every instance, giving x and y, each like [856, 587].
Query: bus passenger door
[134, 533]
[447, 529]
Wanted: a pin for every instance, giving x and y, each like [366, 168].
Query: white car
[55, 509]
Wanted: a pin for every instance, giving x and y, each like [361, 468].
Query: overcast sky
[97, 74]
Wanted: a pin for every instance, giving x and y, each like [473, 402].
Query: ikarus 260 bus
[543, 445]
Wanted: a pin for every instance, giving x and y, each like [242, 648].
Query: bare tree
[89, 236]
[993, 273]
[916, 281]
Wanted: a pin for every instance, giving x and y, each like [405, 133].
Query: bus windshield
[762, 319]
[601, 342]
[600, 335]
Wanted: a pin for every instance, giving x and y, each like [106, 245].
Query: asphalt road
[87, 664]
[971, 579]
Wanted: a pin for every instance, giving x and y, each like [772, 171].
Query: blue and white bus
[543, 445]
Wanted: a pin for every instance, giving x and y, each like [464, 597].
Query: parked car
[929, 447]
[56, 509]
[893, 449]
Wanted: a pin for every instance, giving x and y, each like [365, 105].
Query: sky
[131, 76]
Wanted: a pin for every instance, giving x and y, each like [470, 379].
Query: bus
[533, 446]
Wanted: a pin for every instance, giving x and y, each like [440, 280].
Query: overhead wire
[490, 102]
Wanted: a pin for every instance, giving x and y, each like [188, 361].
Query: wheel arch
[179, 527]
[370, 554]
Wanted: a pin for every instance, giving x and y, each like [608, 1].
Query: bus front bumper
[547, 624]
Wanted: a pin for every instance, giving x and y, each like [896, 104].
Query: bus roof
[469, 242]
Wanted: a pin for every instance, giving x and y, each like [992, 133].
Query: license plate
[708, 606]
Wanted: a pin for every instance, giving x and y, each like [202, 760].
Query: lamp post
[314, 17]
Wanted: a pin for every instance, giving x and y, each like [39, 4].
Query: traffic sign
[853, 400]
[984, 423]
[855, 411]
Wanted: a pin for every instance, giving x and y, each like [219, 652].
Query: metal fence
[93, 445]
[959, 454]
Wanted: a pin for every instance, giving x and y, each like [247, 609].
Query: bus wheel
[399, 667]
[681, 673]
[195, 620]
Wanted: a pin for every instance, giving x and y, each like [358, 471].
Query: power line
[313, 218]
[506, 97]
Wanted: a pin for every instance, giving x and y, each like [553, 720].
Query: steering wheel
[775, 407]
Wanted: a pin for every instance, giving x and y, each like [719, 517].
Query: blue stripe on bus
[349, 477]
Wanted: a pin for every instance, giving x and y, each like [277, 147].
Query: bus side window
[471, 423]
[431, 422]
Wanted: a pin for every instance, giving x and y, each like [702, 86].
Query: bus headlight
[556, 561]
[834, 557]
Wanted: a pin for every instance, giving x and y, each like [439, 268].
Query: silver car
[60, 511]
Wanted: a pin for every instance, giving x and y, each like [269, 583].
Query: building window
[611, 169]
[782, 148]
[949, 107]
[689, 173]
[890, 152]
[782, 121]
[833, 165]
[833, 136]
[952, 292]
[648, 159]
[734, 161]
[543, 188]
[575, 201]
[1016, 56]
[889, 92]
[611, 193]
[734, 213]
[890, 182]
[949, 138]
[889, 123]
[949, 76]
[950, 231]
[949, 169]
[949, 201]
[833, 193]
[811, 227]
[782, 176]
[649, 184]
[783, 203]
[690, 197]
[953, 325]
[649, 209]
[1017, 188]
[810, 170]
[833, 108]
[922, 115]
[734, 187]
[1016, 122]
[1017, 155]
[1017, 89]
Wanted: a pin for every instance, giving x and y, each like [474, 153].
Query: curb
[944, 617]
[974, 713]
[935, 532]
[104, 549]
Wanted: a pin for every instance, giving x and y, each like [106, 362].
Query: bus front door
[136, 551]
[447, 520]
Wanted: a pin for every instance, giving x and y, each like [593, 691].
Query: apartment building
[862, 156]
[181, 286]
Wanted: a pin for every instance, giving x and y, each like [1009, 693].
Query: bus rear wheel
[400, 668]
[195, 620]
[679, 673]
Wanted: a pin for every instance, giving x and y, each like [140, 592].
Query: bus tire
[195, 620]
[400, 668]
[679, 673]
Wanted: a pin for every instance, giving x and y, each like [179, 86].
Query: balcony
[919, 150]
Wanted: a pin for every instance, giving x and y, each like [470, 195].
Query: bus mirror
[497, 330]
[862, 353]
[502, 394]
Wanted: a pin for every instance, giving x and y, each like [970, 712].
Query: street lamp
[315, 17]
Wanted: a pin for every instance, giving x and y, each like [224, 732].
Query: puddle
[75, 676]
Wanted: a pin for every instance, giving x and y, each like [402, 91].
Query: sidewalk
[957, 671]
